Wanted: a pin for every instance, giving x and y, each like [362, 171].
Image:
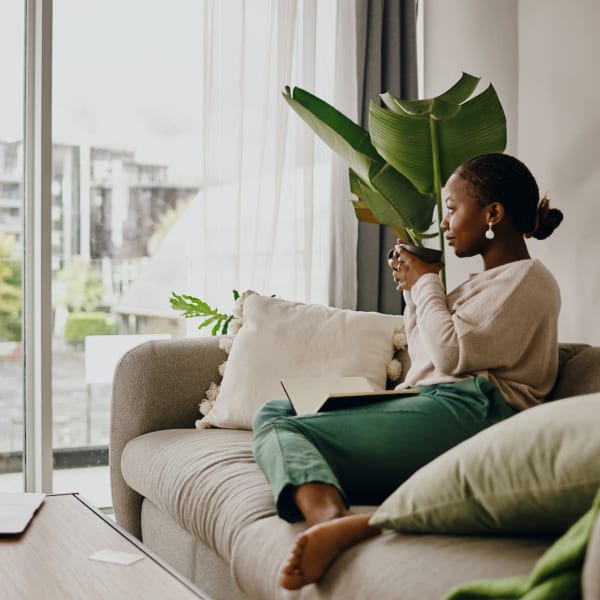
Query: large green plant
[398, 167]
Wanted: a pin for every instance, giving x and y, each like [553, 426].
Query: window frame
[37, 275]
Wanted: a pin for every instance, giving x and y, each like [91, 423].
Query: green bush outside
[81, 324]
[10, 312]
[10, 290]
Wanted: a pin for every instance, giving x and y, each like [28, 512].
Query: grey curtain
[387, 61]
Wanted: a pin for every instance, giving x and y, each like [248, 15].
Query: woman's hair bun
[548, 219]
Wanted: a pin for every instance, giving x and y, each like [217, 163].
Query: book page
[308, 394]
[315, 394]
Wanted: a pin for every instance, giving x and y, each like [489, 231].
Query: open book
[318, 394]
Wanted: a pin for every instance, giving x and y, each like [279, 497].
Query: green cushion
[536, 472]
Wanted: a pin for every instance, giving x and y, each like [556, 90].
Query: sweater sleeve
[486, 331]
[430, 312]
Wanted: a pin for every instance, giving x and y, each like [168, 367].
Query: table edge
[140, 546]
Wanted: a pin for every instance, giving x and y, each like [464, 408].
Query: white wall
[481, 38]
[542, 57]
[559, 138]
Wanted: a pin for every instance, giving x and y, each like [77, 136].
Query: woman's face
[466, 221]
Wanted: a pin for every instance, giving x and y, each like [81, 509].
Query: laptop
[17, 510]
[319, 394]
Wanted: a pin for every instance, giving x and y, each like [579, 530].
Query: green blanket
[556, 575]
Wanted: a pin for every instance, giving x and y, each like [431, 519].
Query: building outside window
[111, 207]
[11, 245]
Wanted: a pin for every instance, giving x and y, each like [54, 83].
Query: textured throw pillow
[535, 472]
[279, 338]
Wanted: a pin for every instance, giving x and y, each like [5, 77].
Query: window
[125, 156]
[12, 13]
[141, 95]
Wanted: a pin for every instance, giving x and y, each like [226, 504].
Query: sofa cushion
[389, 567]
[578, 371]
[206, 481]
[535, 472]
[283, 339]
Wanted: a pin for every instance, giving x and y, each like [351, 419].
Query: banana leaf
[405, 143]
[341, 134]
[390, 194]
[414, 210]
[418, 137]
[457, 94]
[479, 128]
[383, 210]
[398, 167]
[364, 213]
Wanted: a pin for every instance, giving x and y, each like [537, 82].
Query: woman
[478, 355]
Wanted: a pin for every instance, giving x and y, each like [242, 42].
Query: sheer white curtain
[275, 213]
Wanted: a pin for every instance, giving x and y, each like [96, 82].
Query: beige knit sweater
[501, 324]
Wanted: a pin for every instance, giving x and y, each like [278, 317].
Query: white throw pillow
[280, 338]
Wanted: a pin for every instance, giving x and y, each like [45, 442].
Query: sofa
[197, 498]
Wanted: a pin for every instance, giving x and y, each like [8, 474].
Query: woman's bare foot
[319, 502]
[317, 547]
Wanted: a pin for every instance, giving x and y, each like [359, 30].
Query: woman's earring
[489, 234]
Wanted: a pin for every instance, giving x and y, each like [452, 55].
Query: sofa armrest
[157, 385]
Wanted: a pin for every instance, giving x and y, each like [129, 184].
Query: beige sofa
[197, 498]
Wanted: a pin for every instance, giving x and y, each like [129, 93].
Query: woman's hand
[408, 268]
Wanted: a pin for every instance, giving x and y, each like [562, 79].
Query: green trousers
[366, 452]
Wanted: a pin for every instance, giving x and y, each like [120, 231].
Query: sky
[127, 74]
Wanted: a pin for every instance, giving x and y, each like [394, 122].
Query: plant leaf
[416, 208]
[444, 110]
[198, 304]
[215, 329]
[192, 306]
[340, 133]
[395, 202]
[208, 321]
[457, 94]
[476, 127]
[364, 213]
[479, 128]
[226, 325]
[461, 90]
[404, 141]
[416, 108]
